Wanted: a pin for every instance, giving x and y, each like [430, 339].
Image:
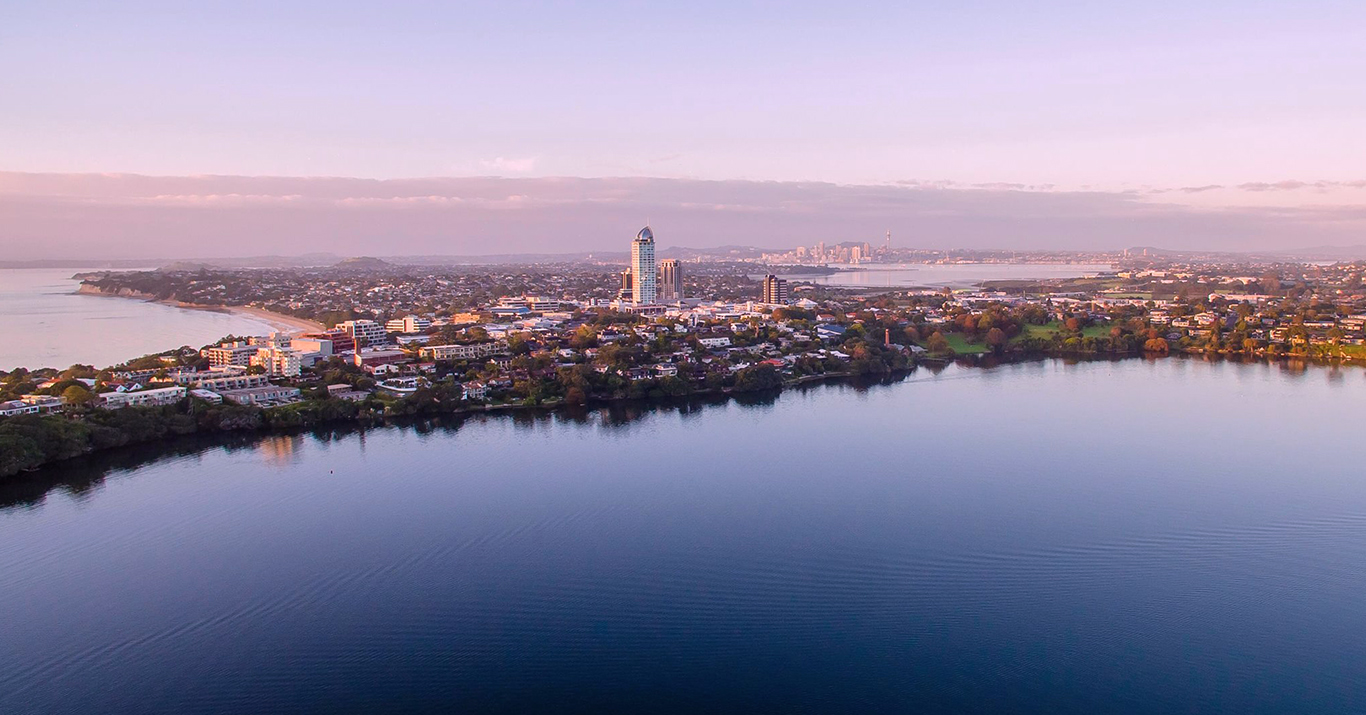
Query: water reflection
[84, 476]
[1027, 537]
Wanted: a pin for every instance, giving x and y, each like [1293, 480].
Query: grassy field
[961, 346]
[1047, 330]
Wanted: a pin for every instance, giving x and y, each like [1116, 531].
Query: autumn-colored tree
[996, 338]
[1156, 345]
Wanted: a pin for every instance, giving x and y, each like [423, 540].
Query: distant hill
[363, 263]
[186, 267]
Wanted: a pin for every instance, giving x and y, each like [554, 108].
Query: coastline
[281, 322]
[374, 413]
[285, 323]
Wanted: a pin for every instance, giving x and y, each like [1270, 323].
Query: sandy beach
[279, 321]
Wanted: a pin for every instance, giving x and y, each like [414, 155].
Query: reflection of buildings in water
[280, 450]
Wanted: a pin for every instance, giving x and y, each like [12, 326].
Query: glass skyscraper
[670, 280]
[643, 274]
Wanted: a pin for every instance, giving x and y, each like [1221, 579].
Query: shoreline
[383, 418]
[281, 322]
[286, 323]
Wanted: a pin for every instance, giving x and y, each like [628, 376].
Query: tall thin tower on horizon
[643, 273]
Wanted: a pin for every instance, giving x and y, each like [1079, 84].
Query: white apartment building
[17, 407]
[44, 403]
[321, 346]
[470, 351]
[365, 332]
[219, 382]
[227, 354]
[142, 398]
[279, 362]
[261, 395]
[409, 324]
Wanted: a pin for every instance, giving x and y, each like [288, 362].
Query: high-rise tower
[644, 278]
[775, 290]
[670, 280]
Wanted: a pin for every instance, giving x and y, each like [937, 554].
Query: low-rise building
[365, 332]
[343, 391]
[279, 362]
[408, 324]
[44, 403]
[237, 353]
[475, 390]
[219, 382]
[373, 358]
[10, 408]
[268, 394]
[466, 351]
[142, 398]
[208, 396]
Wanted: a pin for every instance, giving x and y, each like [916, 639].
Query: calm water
[1126, 537]
[47, 324]
[957, 275]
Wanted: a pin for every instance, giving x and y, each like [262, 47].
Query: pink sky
[1221, 124]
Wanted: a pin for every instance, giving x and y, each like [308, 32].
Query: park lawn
[1096, 331]
[1049, 329]
[1355, 352]
[1040, 331]
[962, 346]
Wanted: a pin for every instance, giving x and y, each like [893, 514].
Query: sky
[971, 121]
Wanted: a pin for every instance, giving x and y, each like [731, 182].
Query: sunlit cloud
[504, 165]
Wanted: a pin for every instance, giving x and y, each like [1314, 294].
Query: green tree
[77, 395]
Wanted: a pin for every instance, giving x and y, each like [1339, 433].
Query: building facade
[341, 341]
[366, 333]
[775, 290]
[467, 351]
[231, 354]
[643, 272]
[670, 280]
[262, 395]
[220, 382]
[279, 362]
[142, 398]
[408, 324]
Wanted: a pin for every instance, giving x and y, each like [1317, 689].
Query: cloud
[220, 199]
[503, 165]
[1292, 185]
[47, 215]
